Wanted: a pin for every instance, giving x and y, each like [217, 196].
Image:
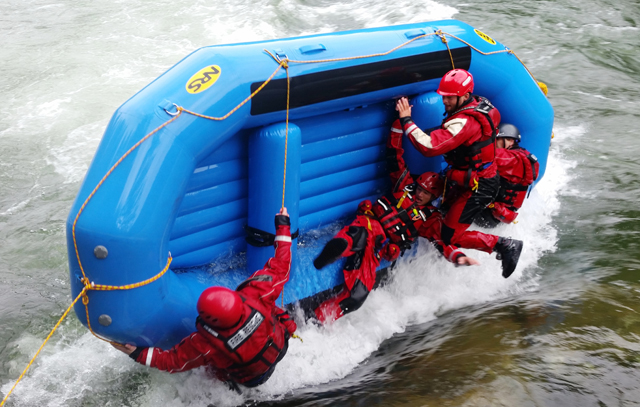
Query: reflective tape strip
[393, 129]
[149, 357]
[412, 128]
[283, 238]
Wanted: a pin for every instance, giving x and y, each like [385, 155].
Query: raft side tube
[173, 191]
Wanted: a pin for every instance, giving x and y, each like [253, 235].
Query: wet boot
[332, 251]
[509, 252]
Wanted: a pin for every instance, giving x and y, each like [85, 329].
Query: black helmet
[509, 131]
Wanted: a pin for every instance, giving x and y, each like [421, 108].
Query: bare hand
[283, 211]
[467, 261]
[128, 349]
[403, 107]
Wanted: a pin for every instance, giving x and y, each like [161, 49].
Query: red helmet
[431, 182]
[456, 83]
[220, 307]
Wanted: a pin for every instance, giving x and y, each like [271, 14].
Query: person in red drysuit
[518, 169]
[467, 141]
[401, 216]
[240, 335]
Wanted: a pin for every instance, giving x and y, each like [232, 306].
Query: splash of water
[422, 287]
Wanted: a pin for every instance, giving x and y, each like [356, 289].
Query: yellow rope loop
[248, 98]
[359, 56]
[43, 344]
[286, 135]
[104, 287]
[297, 337]
[125, 155]
[446, 42]
[494, 52]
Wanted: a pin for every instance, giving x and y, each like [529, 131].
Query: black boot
[509, 252]
[332, 251]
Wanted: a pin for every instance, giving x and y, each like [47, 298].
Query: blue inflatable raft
[199, 154]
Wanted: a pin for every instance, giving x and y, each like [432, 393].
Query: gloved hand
[286, 320]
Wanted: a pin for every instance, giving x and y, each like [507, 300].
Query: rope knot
[88, 285]
[443, 37]
[285, 63]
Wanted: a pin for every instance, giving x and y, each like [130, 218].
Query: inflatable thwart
[200, 161]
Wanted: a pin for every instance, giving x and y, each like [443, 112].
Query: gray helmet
[509, 131]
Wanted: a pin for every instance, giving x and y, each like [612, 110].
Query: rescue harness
[470, 158]
[245, 370]
[509, 191]
[398, 217]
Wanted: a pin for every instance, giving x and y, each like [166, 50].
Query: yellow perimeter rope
[281, 64]
[85, 300]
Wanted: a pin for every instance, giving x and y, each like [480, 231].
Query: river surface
[562, 331]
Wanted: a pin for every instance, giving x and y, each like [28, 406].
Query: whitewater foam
[421, 288]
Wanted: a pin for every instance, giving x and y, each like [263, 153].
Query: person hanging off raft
[401, 216]
[240, 335]
[518, 169]
[466, 138]
[408, 212]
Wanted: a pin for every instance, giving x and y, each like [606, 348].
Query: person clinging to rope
[400, 216]
[241, 334]
[518, 169]
[466, 138]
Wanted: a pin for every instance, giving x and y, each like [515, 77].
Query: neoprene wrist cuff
[282, 220]
[134, 355]
[405, 120]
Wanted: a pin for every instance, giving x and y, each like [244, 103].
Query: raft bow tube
[190, 186]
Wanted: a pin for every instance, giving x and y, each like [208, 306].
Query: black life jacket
[255, 344]
[481, 153]
[400, 217]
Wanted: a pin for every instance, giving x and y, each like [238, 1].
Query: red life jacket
[400, 217]
[514, 182]
[254, 345]
[481, 153]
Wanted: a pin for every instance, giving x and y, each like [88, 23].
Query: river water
[562, 331]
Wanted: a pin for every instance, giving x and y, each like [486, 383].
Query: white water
[422, 288]
[75, 63]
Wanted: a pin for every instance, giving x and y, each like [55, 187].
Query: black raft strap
[260, 238]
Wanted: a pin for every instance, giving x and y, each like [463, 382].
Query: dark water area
[564, 334]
